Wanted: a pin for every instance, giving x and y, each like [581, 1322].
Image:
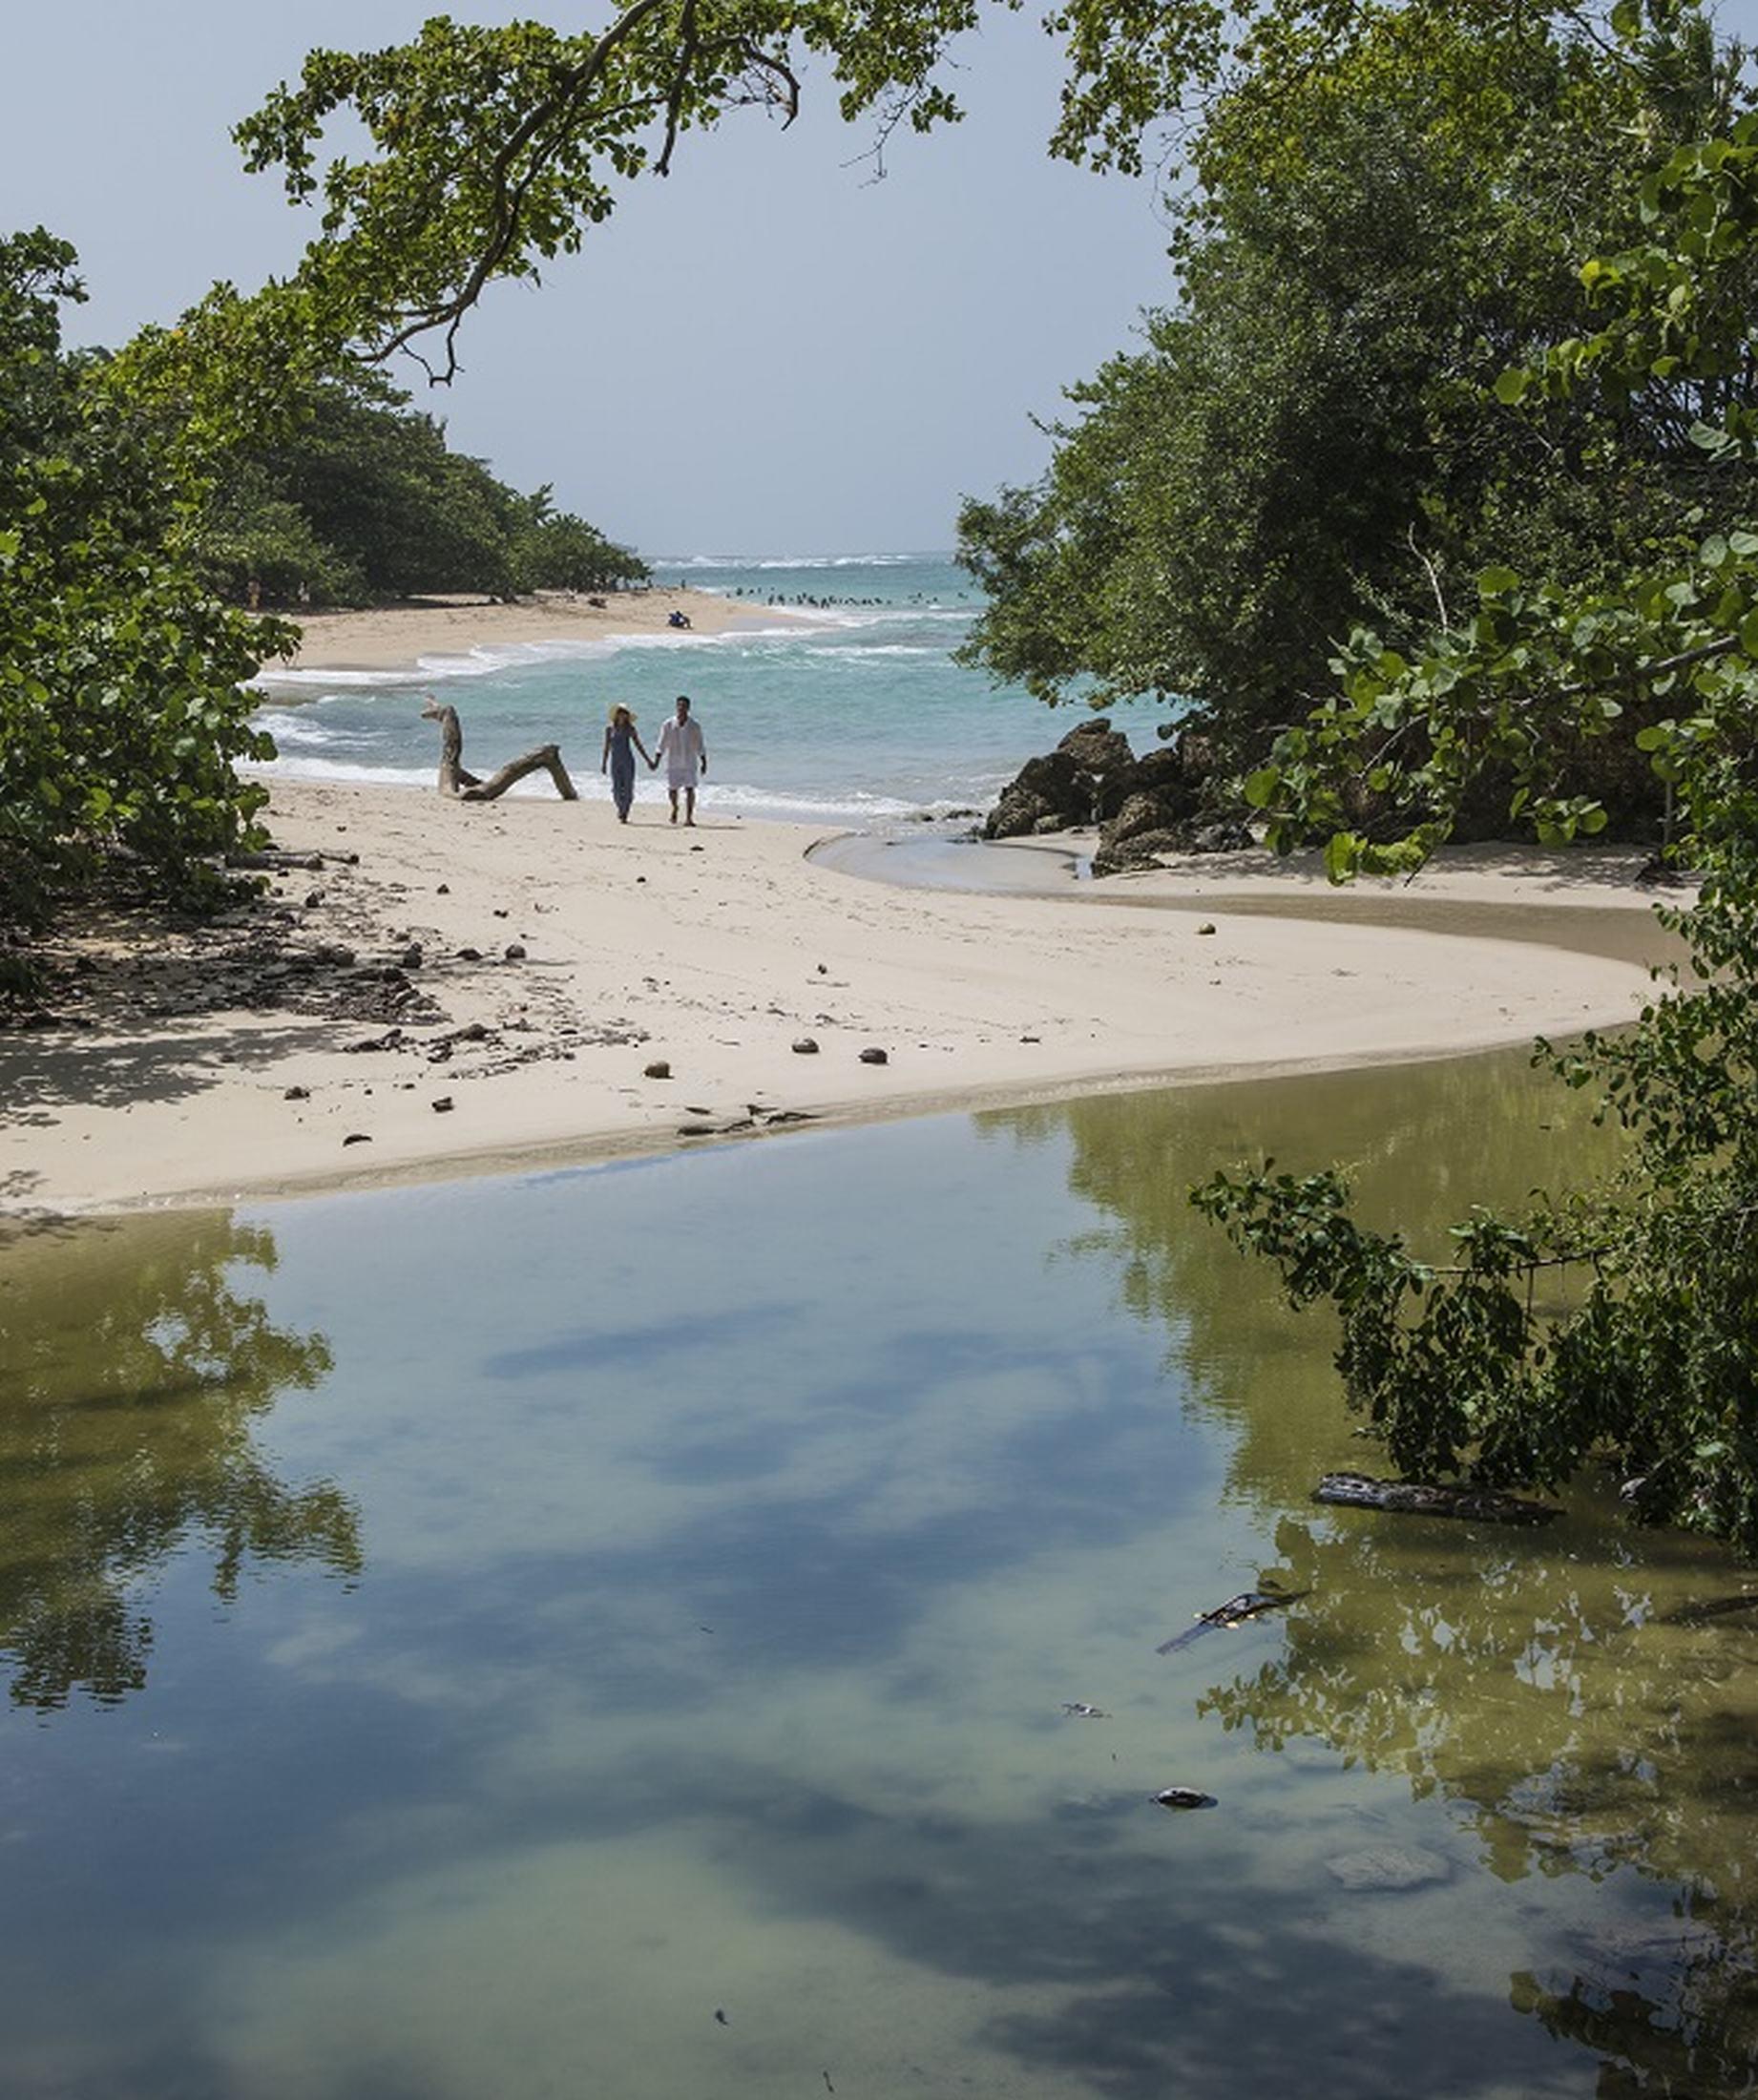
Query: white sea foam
[661, 563]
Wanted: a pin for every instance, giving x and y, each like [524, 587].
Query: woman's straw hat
[620, 707]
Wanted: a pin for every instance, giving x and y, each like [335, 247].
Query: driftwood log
[455, 779]
[1421, 1499]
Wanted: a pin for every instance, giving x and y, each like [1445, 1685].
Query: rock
[1207, 927]
[444, 890]
[1046, 825]
[443, 1104]
[470, 954]
[805, 1047]
[1183, 1798]
[1387, 1867]
[297, 1092]
[514, 951]
[411, 955]
[658, 1069]
[1227, 836]
[873, 1055]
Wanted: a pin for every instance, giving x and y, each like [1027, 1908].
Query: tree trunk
[545, 755]
[454, 780]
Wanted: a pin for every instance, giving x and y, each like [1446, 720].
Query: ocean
[846, 711]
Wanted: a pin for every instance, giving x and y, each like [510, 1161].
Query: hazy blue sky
[766, 353]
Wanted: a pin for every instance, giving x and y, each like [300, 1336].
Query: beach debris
[1207, 927]
[500, 911]
[443, 1104]
[297, 1092]
[1183, 1798]
[658, 1069]
[1077, 1709]
[873, 1055]
[444, 890]
[389, 1040]
[313, 899]
[699, 1130]
[1384, 1868]
[719, 2013]
[823, 969]
[772, 1117]
[470, 954]
[1031, 1039]
[690, 1108]
[454, 780]
[1424, 1498]
[806, 1046]
[1248, 1605]
[514, 951]
[411, 958]
[356, 1137]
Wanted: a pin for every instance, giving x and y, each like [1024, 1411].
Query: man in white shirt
[685, 756]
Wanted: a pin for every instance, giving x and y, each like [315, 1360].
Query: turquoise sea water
[838, 703]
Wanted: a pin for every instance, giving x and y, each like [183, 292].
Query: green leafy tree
[122, 705]
[1313, 433]
[1653, 1367]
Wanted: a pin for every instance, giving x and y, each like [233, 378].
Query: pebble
[805, 1047]
[658, 1069]
[873, 1055]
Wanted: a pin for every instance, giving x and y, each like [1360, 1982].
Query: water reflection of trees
[1528, 1678]
[132, 1369]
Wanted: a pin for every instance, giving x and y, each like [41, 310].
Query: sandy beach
[396, 637]
[446, 988]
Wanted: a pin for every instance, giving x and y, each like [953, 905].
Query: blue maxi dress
[622, 769]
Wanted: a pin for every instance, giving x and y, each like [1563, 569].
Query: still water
[608, 1633]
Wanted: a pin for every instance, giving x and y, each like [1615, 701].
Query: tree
[122, 703]
[1653, 1368]
[1313, 433]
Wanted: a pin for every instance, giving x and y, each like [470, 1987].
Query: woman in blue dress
[621, 741]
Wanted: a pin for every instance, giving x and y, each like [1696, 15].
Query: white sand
[715, 950]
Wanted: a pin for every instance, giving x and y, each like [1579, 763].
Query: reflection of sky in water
[734, 1528]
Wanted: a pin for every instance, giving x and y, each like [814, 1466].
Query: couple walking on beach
[681, 746]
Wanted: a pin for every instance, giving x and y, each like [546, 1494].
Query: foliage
[1314, 432]
[122, 708]
[1655, 1366]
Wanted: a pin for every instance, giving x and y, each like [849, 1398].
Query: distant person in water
[685, 756]
[621, 741]
[676, 618]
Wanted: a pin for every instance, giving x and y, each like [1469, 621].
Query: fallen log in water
[1248, 1605]
[1423, 1499]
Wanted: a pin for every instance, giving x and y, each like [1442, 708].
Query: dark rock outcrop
[1143, 807]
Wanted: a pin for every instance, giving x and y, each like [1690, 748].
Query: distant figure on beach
[685, 756]
[621, 741]
[676, 618]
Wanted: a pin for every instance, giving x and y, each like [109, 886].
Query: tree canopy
[1312, 435]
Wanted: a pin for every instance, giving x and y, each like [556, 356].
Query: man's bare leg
[689, 805]
[673, 793]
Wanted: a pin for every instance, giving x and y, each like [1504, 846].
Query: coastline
[219, 1066]
[398, 638]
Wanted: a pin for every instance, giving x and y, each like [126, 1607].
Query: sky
[767, 352]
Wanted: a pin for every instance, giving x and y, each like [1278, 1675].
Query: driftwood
[1248, 1605]
[1420, 1498]
[1717, 1608]
[455, 779]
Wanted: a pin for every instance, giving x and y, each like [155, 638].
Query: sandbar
[487, 986]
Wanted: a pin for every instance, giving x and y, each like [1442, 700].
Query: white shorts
[680, 772]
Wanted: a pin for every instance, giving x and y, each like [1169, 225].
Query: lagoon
[610, 1631]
